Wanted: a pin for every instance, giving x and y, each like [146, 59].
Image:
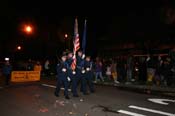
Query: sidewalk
[148, 89]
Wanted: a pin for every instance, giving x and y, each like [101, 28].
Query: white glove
[148, 59]
[64, 70]
[83, 56]
[68, 78]
[74, 72]
[83, 71]
[88, 69]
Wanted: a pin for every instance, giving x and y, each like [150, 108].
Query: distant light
[19, 47]
[7, 59]
[66, 35]
[136, 69]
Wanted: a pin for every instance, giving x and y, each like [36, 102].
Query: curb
[142, 89]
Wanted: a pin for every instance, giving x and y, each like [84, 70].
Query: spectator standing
[114, 71]
[7, 69]
[47, 68]
[150, 69]
[30, 66]
[37, 66]
[129, 68]
[98, 70]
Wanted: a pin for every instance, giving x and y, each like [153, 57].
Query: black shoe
[56, 94]
[67, 97]
[75, 95]
[85, 94]
[92, 91]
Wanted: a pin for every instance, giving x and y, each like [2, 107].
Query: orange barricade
[25, 76]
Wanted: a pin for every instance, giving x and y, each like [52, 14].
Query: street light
[67, 41]
[28, 29]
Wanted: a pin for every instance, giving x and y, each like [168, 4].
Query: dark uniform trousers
[73, 78]
[83, 83]
[62, 79]
[80, 75]
[89, 80]
[73, 83]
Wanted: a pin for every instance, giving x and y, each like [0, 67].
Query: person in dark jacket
[81, 72]
[166, 71]
[72, 74]
[7, 69]
[62, 73]
[89, 74]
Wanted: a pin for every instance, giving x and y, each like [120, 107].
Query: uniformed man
[89, 74]
[62, 75]
[72, 74]
[81, 72]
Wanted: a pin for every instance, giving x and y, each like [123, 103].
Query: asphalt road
[38, 100]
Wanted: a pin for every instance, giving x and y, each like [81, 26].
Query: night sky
[122, 22]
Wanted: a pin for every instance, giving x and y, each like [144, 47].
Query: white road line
[161, 101]
[130, 113]
[46, 85]
[52, 86]
[151, 110]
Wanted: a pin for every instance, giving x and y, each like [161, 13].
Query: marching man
[89, 74]
[62, 75]
[72, 74]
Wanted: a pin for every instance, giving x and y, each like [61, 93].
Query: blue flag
[84, 37]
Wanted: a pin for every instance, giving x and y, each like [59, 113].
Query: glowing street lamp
[28, 29]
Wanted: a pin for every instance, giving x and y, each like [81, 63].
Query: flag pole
[84, 37]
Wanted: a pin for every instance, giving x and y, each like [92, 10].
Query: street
[38, 100]
[129, 56]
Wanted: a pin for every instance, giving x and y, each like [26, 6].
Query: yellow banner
[25, 76]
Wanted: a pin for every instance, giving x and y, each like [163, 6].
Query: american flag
[76, 44]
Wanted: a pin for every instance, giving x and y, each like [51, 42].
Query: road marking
[52, 86]
[151, 110]
[161, 101]
[46, 85]
[130, 113]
